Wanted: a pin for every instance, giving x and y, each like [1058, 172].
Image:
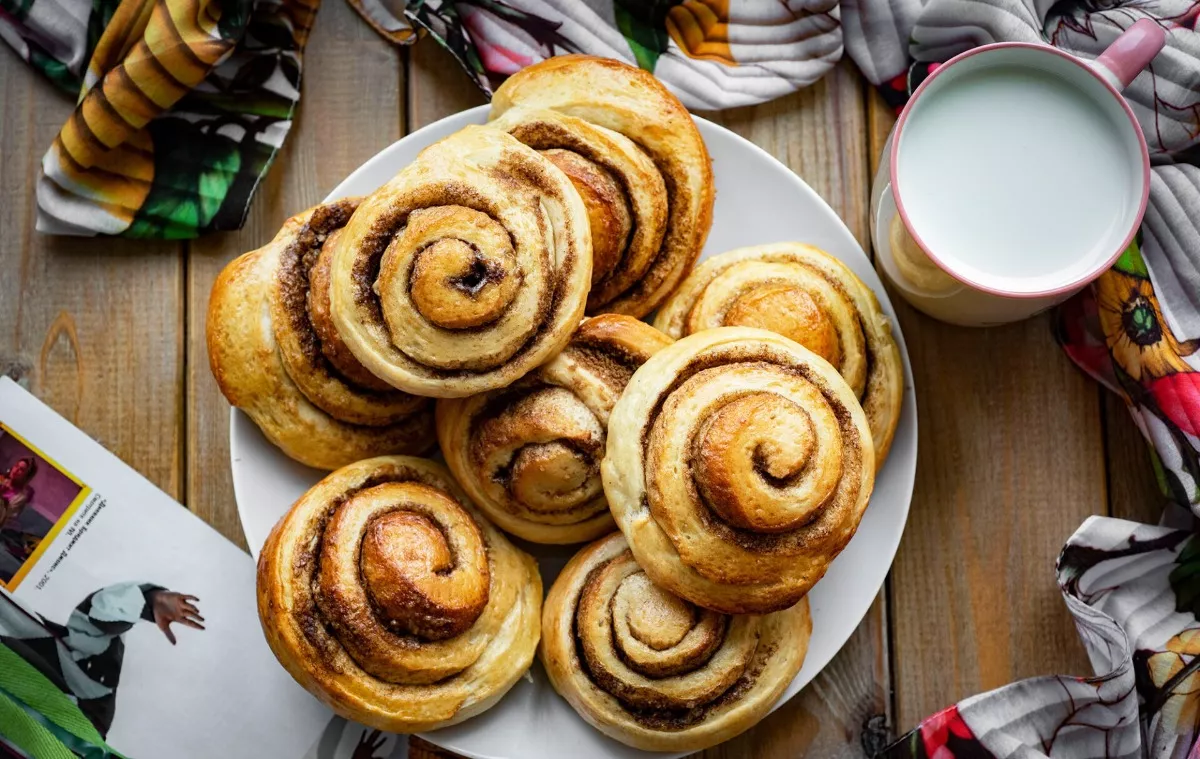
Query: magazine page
[139, 613]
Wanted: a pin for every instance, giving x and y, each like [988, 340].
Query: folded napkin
[182, 104]
[181, 107]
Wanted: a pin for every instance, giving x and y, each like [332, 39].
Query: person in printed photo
[83, 657]
[15, 492]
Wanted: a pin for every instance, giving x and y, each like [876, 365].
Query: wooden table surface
[1017, 447]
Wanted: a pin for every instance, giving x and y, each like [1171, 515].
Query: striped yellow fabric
[151, 54]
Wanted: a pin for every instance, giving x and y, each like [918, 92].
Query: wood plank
[92, 326]
[351, 108]
[1133, 491]
[843, 713]
[821, 134]
[1011, 461]
[437, 85]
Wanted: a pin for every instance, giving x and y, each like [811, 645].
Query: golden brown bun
[611, 116]
[805, 294]
[529, 455]
[738, 466]
[390, 598]
[651, 670]
[465, 271]
[270, 349]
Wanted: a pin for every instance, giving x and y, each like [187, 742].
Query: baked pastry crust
[738, 466]
[647, 668]
[390, 598]
[466, 270]
[805, 294]
[269, 350]
[609, 116]
[529, 454]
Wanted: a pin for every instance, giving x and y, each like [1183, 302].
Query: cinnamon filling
[776, 439]
[542, 448]
[753, 474]
[668, 662]
[609, 215]
[626, 198]
[403, 545]
[535, 448]
[331, 344]
[400, 565]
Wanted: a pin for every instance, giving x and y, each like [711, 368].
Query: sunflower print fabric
[1118, 333]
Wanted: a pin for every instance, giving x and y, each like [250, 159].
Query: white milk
[1015, 177]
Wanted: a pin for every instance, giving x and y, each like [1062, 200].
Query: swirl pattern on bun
[738, 466]
[529, 454]
[807, 295]
[387, 596]
[276, 355]
[636, 157]
[465, 271]
[653, 671]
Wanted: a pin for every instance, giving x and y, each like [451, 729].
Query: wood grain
[1010, 463]
[1133, 492]
[93, 327]
[351, 109]
[821, 134]
[437, 85]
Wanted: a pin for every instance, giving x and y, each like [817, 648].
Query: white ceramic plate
[759, 200]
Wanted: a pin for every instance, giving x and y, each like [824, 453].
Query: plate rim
[477, 114]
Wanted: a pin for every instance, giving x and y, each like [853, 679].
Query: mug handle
[1131, 52]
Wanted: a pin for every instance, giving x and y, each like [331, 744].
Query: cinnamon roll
[738, 466]
[653, 671]
[529, 454]
[637, 159]
[276, 355]
[466, 270]
[805, 294]
[387, 596]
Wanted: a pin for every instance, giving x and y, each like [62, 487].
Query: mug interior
[1047, 223]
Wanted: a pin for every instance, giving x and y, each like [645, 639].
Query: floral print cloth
[181, 107]
[711, 53]
[1133, 589]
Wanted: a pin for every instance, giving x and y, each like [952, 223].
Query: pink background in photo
[53, 491]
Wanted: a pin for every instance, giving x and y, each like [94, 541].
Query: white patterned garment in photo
[1017, 178]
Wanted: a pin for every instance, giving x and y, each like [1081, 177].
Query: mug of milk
[1015, 175]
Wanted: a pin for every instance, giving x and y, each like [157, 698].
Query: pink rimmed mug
[1015, 175]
